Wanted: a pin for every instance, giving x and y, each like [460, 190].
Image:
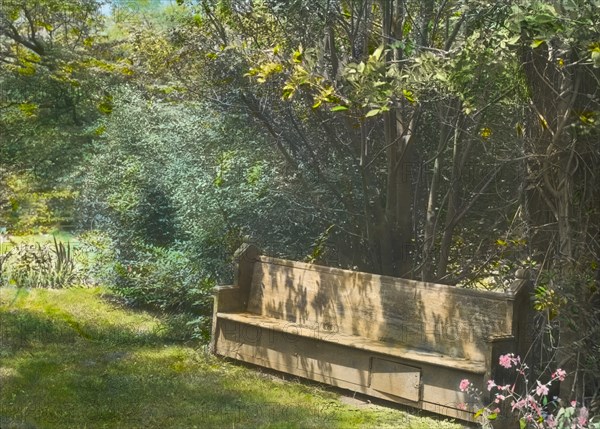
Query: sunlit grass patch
[41, 239]
[48, 238]
[71, 358]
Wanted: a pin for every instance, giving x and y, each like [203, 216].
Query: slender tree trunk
[396, 220]
[432, 199]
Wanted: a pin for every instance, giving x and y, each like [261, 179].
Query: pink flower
[551, 422]
[461, 406]
[496, 410]
[583, 416]
[518, 405]
[573, 403]
[560, 374]
[506, 360]
[490, 385]
[541, 389]
[534, 405]
[464, 385]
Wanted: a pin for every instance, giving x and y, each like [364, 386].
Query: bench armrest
[227, 299]
[500, 345]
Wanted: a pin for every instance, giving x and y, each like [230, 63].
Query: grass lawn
[75, 359]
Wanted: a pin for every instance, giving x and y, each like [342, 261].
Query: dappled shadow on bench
[402, 340]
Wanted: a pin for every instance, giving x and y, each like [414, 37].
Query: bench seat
[396, 350]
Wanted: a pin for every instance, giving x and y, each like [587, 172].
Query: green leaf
[288, 91]
[297, 55]
[372, 113]
[339, 108]
[398, 44]
[408, 95]
[45, 25]
[378, 52]
[522, 424]
[492, 416]
[536, 43]
[478, 413]
[596, 58]
[106, 105]
[28, 109]
[514, 40]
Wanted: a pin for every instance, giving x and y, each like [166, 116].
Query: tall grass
[35, 265]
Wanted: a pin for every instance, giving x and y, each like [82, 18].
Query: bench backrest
[435, 318]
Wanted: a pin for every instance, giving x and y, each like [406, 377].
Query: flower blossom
[583, 416]
[464, 385]
[551, 422]
[560, 374]
[519, 404]
[541, 389]
[506, 360]
[490, 385]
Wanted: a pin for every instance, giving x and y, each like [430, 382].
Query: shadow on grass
[58, 370]
[176, 325]
[24, 329]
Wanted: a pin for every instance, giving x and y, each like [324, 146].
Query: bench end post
[245, 257]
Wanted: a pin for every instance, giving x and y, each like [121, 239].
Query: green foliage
[184, 177]
[319, 246]
[423, 133]
[548, 301]
[39, 266]
[569, 29]
[165, 279]
[570, 300]
[162, 189]
[96, 258]
[26, 208]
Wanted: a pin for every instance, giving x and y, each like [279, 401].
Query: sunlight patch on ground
[72, 358]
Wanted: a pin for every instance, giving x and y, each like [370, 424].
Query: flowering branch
[531, 405]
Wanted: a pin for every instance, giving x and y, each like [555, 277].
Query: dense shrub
[151, 277]
[186, 176]
[163, 278]
[177, 189]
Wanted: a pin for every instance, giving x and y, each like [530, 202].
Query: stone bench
[401, 340]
